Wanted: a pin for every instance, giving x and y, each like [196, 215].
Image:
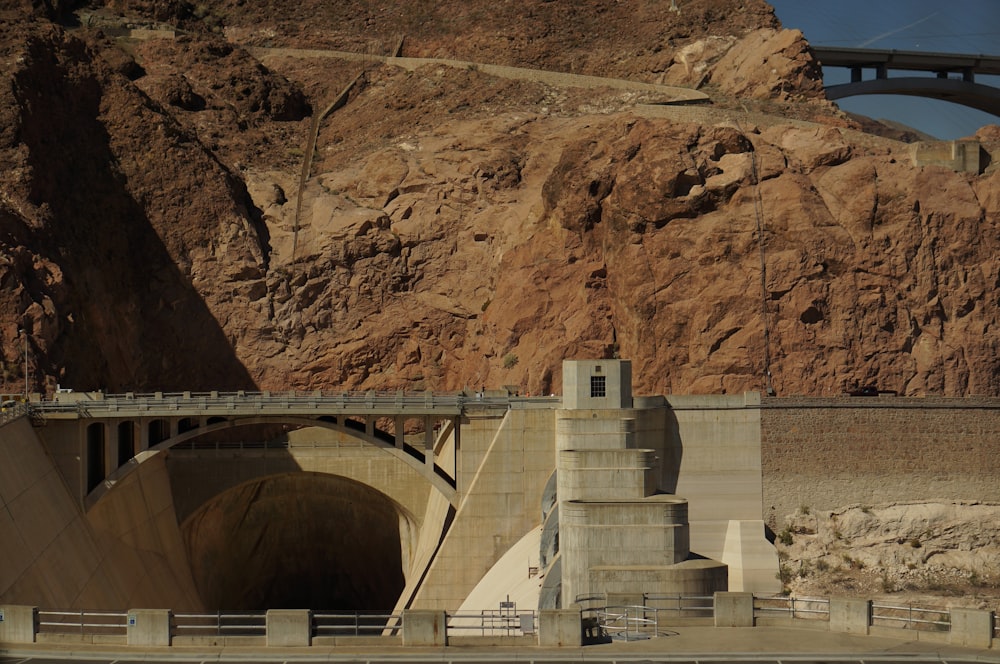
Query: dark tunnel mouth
[297, 540]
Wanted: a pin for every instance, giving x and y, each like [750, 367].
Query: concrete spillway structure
[621, 536]
[643, 495]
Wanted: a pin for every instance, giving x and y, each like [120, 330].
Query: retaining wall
[828, 453]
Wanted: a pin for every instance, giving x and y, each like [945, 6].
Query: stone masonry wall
[827, 453]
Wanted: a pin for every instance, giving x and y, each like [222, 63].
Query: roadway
[233, 404]
[830, 56]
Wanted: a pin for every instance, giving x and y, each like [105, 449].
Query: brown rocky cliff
[102, 269]
[462, 230]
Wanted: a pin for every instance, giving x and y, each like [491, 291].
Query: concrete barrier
[425, 628]
[560, 627]
[971, 628]
[851, 616]
[289, 627]
[18, 624]
[734, 609]
[148, 627]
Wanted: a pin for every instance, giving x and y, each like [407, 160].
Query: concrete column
[400, 425]
[560, 627]
[855, 74]
[111, 449]
[734, 609]
[971, 628]
[428, 441]
[17, 623]
[174, 426]
[148, 627]
[424, 628]
[143, 436]
[370, 425]
[852, 616]
[457, 433]
[289, 627]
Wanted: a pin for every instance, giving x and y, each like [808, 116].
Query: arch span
[302, 539]
[432, 472]
[967, 93]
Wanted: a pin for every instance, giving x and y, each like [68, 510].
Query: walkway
[670, 94]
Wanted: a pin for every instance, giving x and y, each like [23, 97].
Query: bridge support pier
[111, 453]
[428, 441]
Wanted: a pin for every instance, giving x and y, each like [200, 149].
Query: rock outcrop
[457, 229]
[914, 549]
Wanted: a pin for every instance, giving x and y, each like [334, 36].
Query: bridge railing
[975, 627]
[922, 618]
[220, 623]
[83, 623]
[356, 623]
[319, 401]
[492, 622]
[810, 608]
[11, 412]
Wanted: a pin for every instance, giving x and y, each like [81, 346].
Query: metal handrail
[909, 619]
[793, 605]
[225, 402]
[704, 602]
[360, 623]
[84, 620]
[627, 622]
[492, 622]
[250, 622]
[13, 412]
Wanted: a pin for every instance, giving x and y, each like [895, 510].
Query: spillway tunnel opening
[299, 540]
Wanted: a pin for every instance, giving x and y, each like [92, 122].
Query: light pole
[24, 330]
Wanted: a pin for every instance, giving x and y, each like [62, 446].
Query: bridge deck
[830, 56]
[186, 404]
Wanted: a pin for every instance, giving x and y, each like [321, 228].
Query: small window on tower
[597, 387]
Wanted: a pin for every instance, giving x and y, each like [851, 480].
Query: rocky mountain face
[923, 550]
[166, 224]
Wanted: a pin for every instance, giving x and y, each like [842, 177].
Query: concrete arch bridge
[383, 501]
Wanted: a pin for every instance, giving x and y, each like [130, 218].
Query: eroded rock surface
[915, 550]
[458, 229]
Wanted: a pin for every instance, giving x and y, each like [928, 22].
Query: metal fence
[627, 622]
[809, 608]
[640, 621]
[926, 619]
[12, 411]
[223, 402]
[356, 623]
[685, 606]
[88, 623]
[220, 623]
[492, 622]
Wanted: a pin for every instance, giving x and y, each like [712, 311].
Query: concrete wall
[828, 453]
[126, 553]
[713, 450]
[960, 156]
[507, 472]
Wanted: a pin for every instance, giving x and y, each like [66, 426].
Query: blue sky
[954, 26]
